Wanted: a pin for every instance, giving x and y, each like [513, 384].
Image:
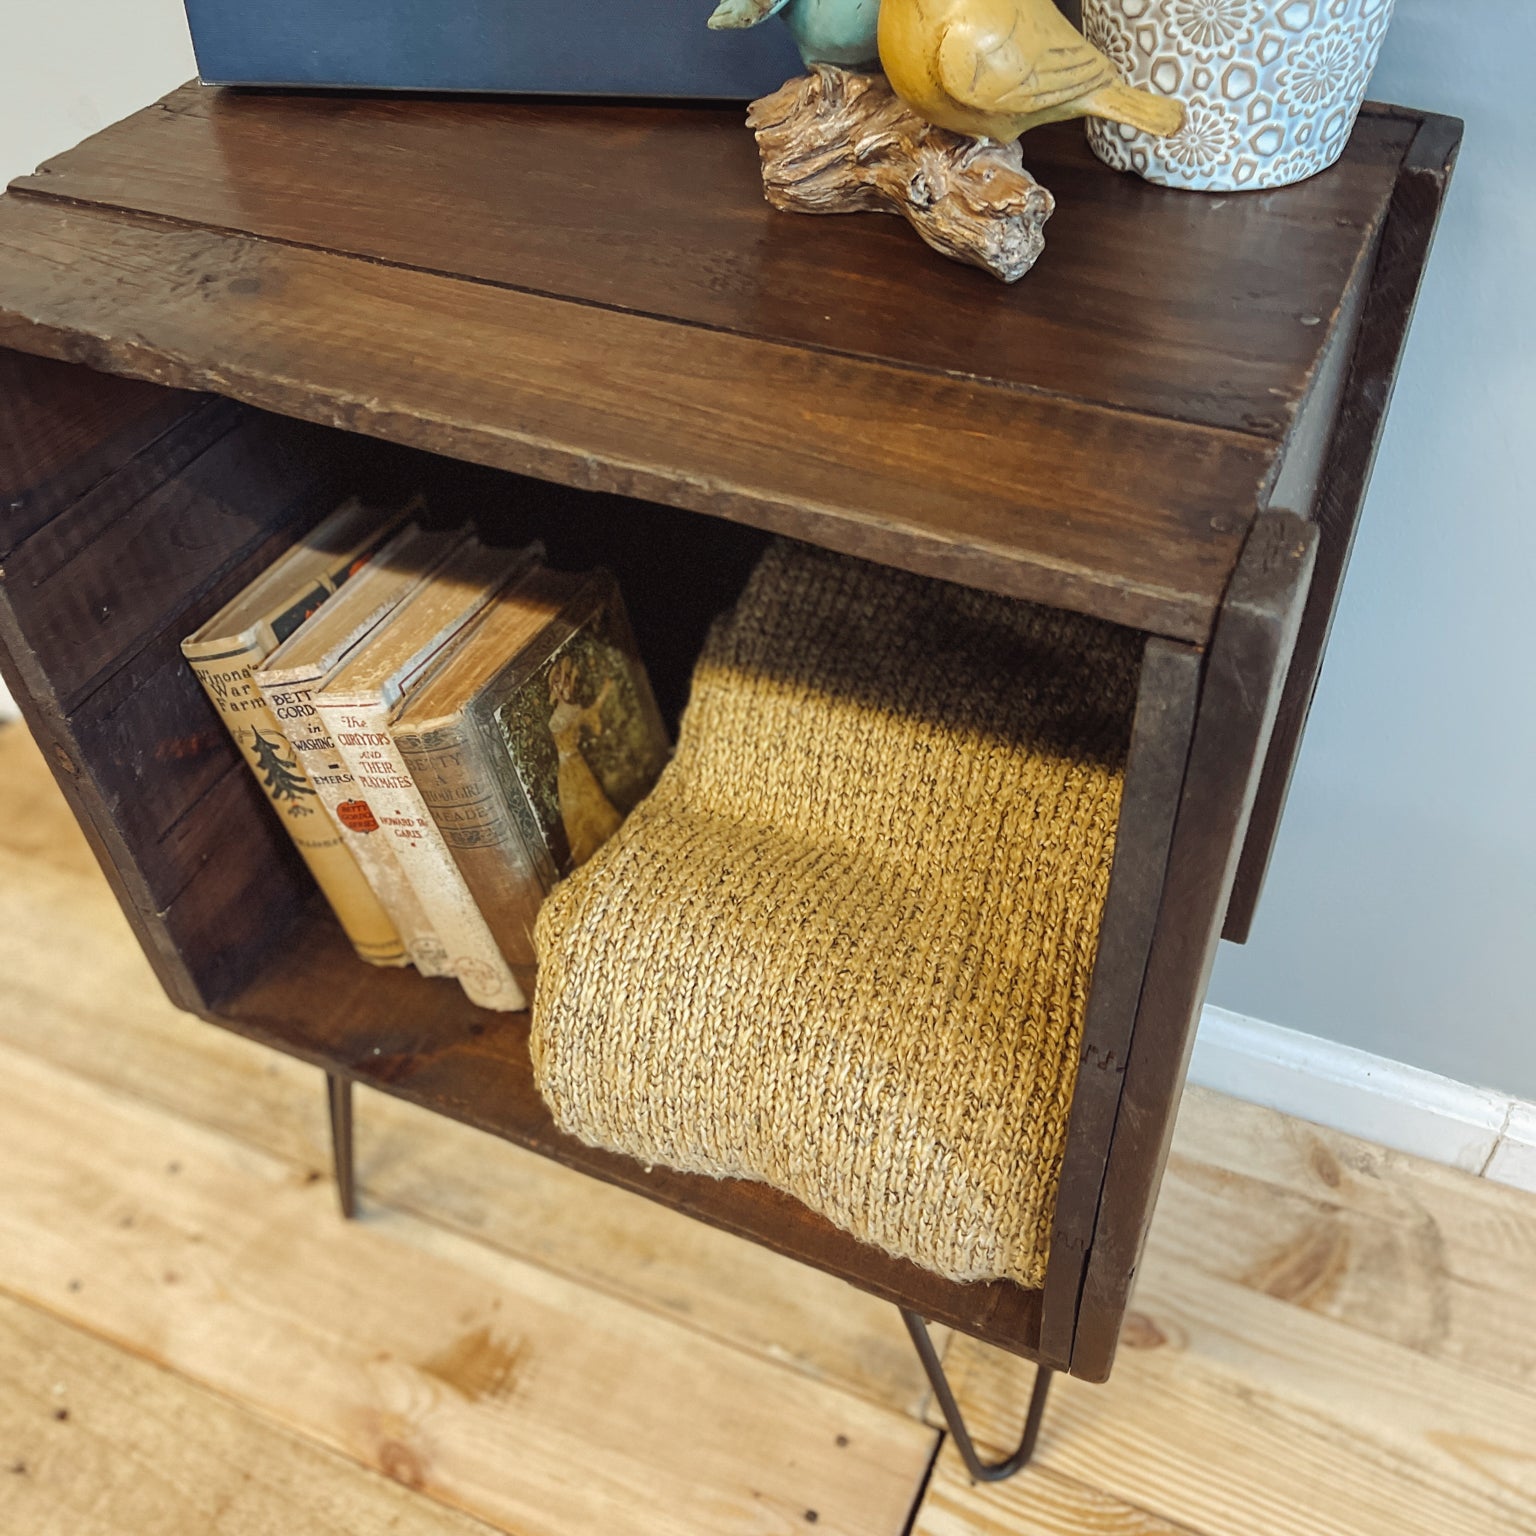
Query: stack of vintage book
[444, 727]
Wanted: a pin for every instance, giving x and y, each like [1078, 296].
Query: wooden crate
[227, 311]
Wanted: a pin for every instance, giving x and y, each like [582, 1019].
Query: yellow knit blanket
[845, 945]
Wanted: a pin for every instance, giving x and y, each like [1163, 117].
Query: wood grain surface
[103, 577]
[1330, 1339]
[1410, 1253]
[641, 321]
[1215, 312]
[461, 1373]
[106, 1021]
[1159, 753]
[1244, 674]
[95, 601]
[99, 1442]
[1041, 1503]
[1233, 1411]
[1135, 519]
[62, 430]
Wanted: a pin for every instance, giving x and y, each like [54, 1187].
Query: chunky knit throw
[845, 945]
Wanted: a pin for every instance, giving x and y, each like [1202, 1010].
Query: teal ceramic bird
[828, 31]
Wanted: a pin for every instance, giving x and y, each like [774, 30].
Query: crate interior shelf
[423, 1041]
[582, 323]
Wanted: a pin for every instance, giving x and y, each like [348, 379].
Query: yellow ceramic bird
[997, 68]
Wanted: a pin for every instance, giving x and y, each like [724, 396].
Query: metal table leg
[338, 1092]
[983, 1472]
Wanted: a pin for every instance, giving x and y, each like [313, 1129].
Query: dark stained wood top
[659, 212]
[917, 470]
[599, 295]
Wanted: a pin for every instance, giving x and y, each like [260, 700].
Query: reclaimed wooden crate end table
[221, 313]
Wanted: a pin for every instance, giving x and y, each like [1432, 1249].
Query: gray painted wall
[1400, 914]
[70, 67]
[1401, 909]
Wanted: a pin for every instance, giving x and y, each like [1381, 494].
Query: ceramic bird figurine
[827, 31]
[997, 68]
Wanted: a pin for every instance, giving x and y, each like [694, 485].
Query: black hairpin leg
[338, 1092]
[983, 1472]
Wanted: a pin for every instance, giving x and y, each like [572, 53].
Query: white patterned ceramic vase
[1271, 87]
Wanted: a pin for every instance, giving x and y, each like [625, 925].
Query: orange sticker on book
[355, 816]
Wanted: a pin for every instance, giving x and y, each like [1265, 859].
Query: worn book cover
[357, 701]
[532, 743]
[223, 653]
[294, 672]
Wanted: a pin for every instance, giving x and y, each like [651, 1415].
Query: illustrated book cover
[356, 702]
[294, 672]
[223, 653]
[532, 742]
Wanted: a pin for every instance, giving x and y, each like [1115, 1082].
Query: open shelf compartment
[192, 506]
[1117, 436]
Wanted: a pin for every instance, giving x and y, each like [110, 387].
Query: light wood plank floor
[1328, 1339]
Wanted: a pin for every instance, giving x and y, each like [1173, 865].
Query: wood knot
[402, 1464]
[1308, 1270]
[1325, 1165]
[1140, 1332]
[479, 1365]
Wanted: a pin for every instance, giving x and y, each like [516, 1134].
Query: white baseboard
[1514, 1159]
[1384, 1101]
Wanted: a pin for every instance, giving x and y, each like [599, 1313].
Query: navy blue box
[565, 47]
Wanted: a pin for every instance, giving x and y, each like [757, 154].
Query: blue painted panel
[577, 47]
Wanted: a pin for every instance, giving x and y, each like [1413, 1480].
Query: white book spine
[356, 815]
[362, 736]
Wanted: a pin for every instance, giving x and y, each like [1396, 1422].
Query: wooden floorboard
[1037, 1503]
[98, 1442]
[490, 1384]
[107, 1021]
[1412, 1252]
[1237, 1413]
[1327, 1340]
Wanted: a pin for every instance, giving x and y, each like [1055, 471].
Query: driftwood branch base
[835, 141]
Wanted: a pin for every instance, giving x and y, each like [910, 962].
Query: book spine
[467, 799]
[268, 751]
[361, 733]
[354, 819]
